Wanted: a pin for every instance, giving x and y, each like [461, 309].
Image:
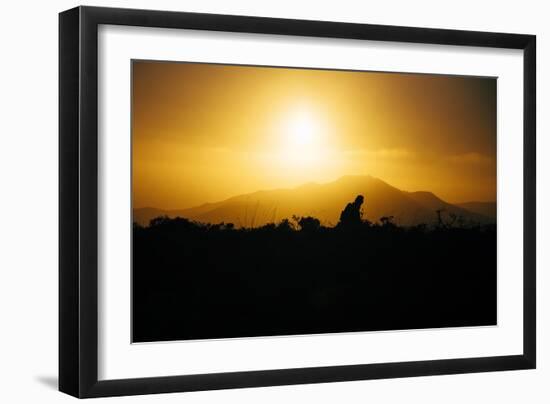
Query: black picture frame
[78, 201]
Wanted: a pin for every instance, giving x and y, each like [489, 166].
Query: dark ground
[194, 281]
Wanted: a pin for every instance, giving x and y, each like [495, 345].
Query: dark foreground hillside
[195, 281]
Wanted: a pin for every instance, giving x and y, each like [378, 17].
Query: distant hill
[488, 209]
[323, 201]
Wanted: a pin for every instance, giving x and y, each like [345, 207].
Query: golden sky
[204, 132]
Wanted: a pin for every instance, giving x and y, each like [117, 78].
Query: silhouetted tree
[352, 215]
[159, 221]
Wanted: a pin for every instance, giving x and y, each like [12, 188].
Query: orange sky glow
[205, 132]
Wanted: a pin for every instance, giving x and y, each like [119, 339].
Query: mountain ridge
[325, 202]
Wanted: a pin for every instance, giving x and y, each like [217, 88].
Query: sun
[303, 138]
[302, 130]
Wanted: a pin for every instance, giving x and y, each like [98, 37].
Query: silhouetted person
[351, 215]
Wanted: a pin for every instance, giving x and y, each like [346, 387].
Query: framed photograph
[250, 201]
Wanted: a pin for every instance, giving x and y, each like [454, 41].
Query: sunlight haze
[204, 132]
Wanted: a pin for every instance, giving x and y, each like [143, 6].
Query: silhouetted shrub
[308, 223]
[387, 221]
[285, 225]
